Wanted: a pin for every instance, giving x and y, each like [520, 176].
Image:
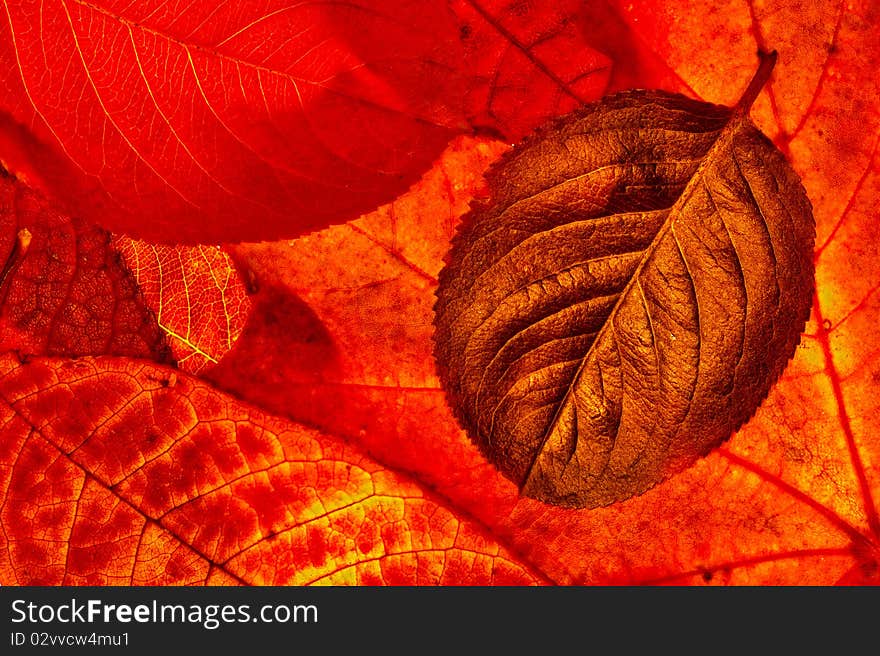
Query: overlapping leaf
[208, 491]
[791, 497]
[188, 121]
[63, 289]
[200, 301]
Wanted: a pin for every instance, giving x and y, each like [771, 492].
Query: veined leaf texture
[215, 491]
[200, 123]
[638, 279]
[179, 405]
[63, 289]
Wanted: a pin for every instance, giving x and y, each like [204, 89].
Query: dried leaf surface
[622, 303]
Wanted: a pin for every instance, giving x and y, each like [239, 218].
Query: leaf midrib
[213, 52]
[724, 139]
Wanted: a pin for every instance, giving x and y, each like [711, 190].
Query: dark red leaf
[63, 288]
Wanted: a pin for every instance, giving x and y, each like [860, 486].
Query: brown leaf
[624, 301]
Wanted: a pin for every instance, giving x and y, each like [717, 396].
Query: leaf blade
[568, 431]
[210, 489]
[63, 289]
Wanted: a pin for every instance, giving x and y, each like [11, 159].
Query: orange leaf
[340, 339]
[211, 491]
[195, 292]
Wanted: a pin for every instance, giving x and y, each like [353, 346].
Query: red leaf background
[177, 412]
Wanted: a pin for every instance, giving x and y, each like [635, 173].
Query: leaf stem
[767, 60]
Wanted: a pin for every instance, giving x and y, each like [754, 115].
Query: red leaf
[63, 290]
[203, 123]
[340, 337]
[200, 302]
